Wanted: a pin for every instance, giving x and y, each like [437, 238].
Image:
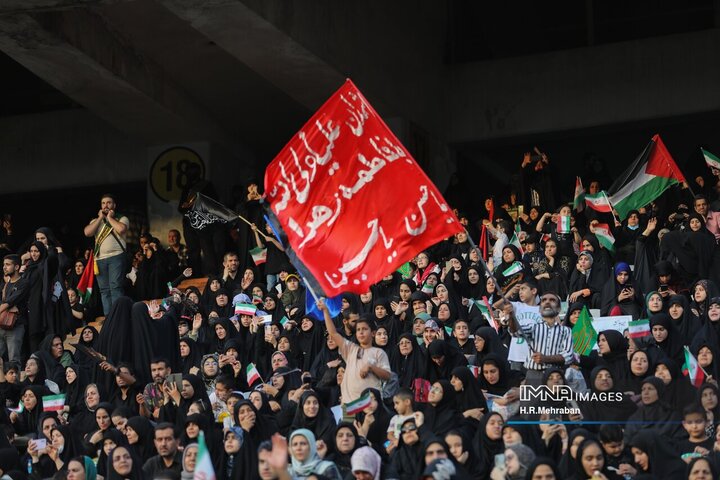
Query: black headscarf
[493, 344]
[453, 358]
[663, 461]
[145, 446]
[406, 458]
[409, 367]
[471, 396]
[680, 392]
[377, 433]
[342, 460]
[322, 425]
[506, 379]
[309, 343]
[247, 457]
[567, 464]
[657, 417]
[596, 410]
[688, 324]
[444, 416]
[487, 448]
[672, 346]
[136, 472]
[193, 358]
[542, 461]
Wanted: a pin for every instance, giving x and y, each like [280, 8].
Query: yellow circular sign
[169, 173]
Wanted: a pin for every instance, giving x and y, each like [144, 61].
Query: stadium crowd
[420, 377]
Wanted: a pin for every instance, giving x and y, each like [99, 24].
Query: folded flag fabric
[53, 403]
[516, 241]
[334, 305]
[599, 202]
[516, 267]
[245, 309]
[583, 333]
[578, 199]
[252, 374]
[357, 406]
[639, 328]
[563, 224]
[259, 255]
[475, 370]
[203, 211]
[284, 320]
[19, 408]
[204, 469]
[605, 236]
[87, 279]
[653, 172]
[711, 160]
[405, 270]
[692, 369]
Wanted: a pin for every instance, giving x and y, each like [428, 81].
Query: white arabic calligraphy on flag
[351, 200]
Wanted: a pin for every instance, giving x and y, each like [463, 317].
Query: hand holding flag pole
[612, 209]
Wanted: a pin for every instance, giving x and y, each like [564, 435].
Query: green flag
[583, 333]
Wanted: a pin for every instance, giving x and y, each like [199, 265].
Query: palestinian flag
[85, 284]
[579, 198]
[245, 309]
[259, 255]
[692, 369]
[639, 328]
[516, 267]
[357, 406]
[599, 202]
[711, 160]
[53, 403]
[204, 469]
[653, 172]
[563, 224]
[252, 374]
[605, 236]
[515, 241]
[583, 333]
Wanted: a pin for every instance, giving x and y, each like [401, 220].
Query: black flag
[205, 211]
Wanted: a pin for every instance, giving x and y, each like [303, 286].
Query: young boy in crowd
[698, 442]
[617, 454]
[403, 404]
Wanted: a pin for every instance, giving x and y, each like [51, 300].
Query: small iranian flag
[515, 241]
[605, 236]
[259, 255]
[599, 202]
[693, 370]
[475, 370]
[203, 464]
[53, 403]
[245, 309]
[578, 202]
[358, 405]
[711, 160]
[252, 374]
[516, 267]
[639, 328]
[85, 284]
[563, 224]
[19, 408]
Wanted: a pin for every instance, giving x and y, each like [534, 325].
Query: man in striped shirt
[549, 342]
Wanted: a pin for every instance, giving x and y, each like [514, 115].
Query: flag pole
[612, 210]
[251, 224]
[310, 289]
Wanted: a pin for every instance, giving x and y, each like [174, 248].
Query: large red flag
[351, 200]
